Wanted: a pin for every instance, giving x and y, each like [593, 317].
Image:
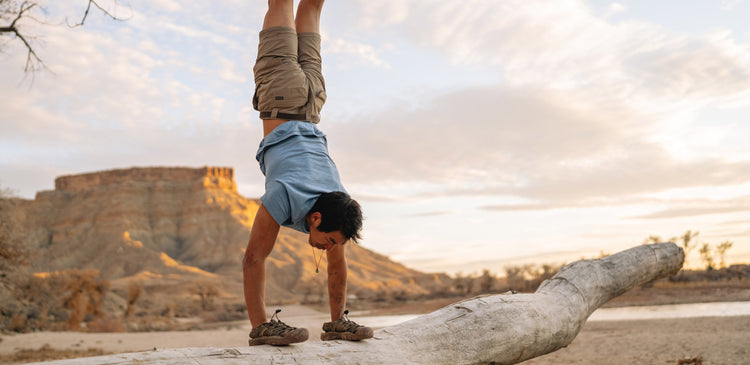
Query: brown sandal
[277, 333]
[345, 329]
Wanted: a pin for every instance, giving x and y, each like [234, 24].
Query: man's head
[335, 218]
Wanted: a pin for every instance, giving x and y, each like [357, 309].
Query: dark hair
[339, 212]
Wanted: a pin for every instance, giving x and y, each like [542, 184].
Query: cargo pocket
[318, 100]
[281, 98]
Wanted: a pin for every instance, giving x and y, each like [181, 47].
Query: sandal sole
[361, 334]
[298, 335]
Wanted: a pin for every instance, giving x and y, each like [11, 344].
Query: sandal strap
[274, 327]
[343, 324]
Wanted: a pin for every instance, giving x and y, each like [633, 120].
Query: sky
[476, 134]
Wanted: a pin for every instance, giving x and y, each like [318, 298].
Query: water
[717, 309]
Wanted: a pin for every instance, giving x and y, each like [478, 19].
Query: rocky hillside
[171, 227]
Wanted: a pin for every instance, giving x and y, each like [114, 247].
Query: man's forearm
[337, 272]
[262, 239]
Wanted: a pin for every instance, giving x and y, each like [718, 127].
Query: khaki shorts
[288, 78]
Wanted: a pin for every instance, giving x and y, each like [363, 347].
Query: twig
[31, 56]
[88, 8]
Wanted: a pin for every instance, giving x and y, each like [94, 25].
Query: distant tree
[463, 284]
[486, 282]
[14, 12]
[12, 252]
[206, 292]
[707, 255]
[687, 239]
[722, 249]
[547, 271]
[515, 277]
[135, 289]
[652, 239]
[84, 295]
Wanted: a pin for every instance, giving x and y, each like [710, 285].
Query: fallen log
[500, 329]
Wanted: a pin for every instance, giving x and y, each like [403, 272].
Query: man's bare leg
[280, 14]
[308, 16]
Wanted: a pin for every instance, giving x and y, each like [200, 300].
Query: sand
[717, 340]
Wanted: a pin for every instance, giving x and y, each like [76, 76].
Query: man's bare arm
[262, 239]
[337, 272]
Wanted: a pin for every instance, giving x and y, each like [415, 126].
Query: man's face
[323, 240]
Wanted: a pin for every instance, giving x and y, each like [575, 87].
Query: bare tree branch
[105, 11]
[9, 9]
[33, 62]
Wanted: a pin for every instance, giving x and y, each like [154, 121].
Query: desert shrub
[42, 301]
[18, 323]
[690, 361]
[135, 289]
[206, 292]
[528, 278]
[106, 324]
[83, 295]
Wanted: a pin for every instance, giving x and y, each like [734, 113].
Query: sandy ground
[232, 334]
[717, 340]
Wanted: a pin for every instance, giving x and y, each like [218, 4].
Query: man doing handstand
[303, 188]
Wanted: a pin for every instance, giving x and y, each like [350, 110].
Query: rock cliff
[173, 226]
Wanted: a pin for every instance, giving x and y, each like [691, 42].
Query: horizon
[480, 133]
[494, 266]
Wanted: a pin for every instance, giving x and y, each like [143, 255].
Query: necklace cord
[316, 260]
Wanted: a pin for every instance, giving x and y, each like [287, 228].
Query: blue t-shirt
[294, 158]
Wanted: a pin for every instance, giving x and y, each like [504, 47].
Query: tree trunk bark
[498, 329]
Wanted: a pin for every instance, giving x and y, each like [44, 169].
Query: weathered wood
[501, 329]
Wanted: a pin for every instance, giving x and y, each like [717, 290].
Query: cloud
[615, 8]
[364, 53]
[575, 120]
[123, 98]
[429, 214]
[382, 13]
[566, 46]
[167, 5]
[524, 143]
[565, 126]
[696, 207]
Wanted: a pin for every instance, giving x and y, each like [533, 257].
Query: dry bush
[18, 323]
[42, 302]
[206, 291]
[135, 289]
[84, 295]
[28, 307]
[106, 324]
[690, 361]
[528, 278]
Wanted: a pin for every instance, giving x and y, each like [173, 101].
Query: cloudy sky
[475, 133]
